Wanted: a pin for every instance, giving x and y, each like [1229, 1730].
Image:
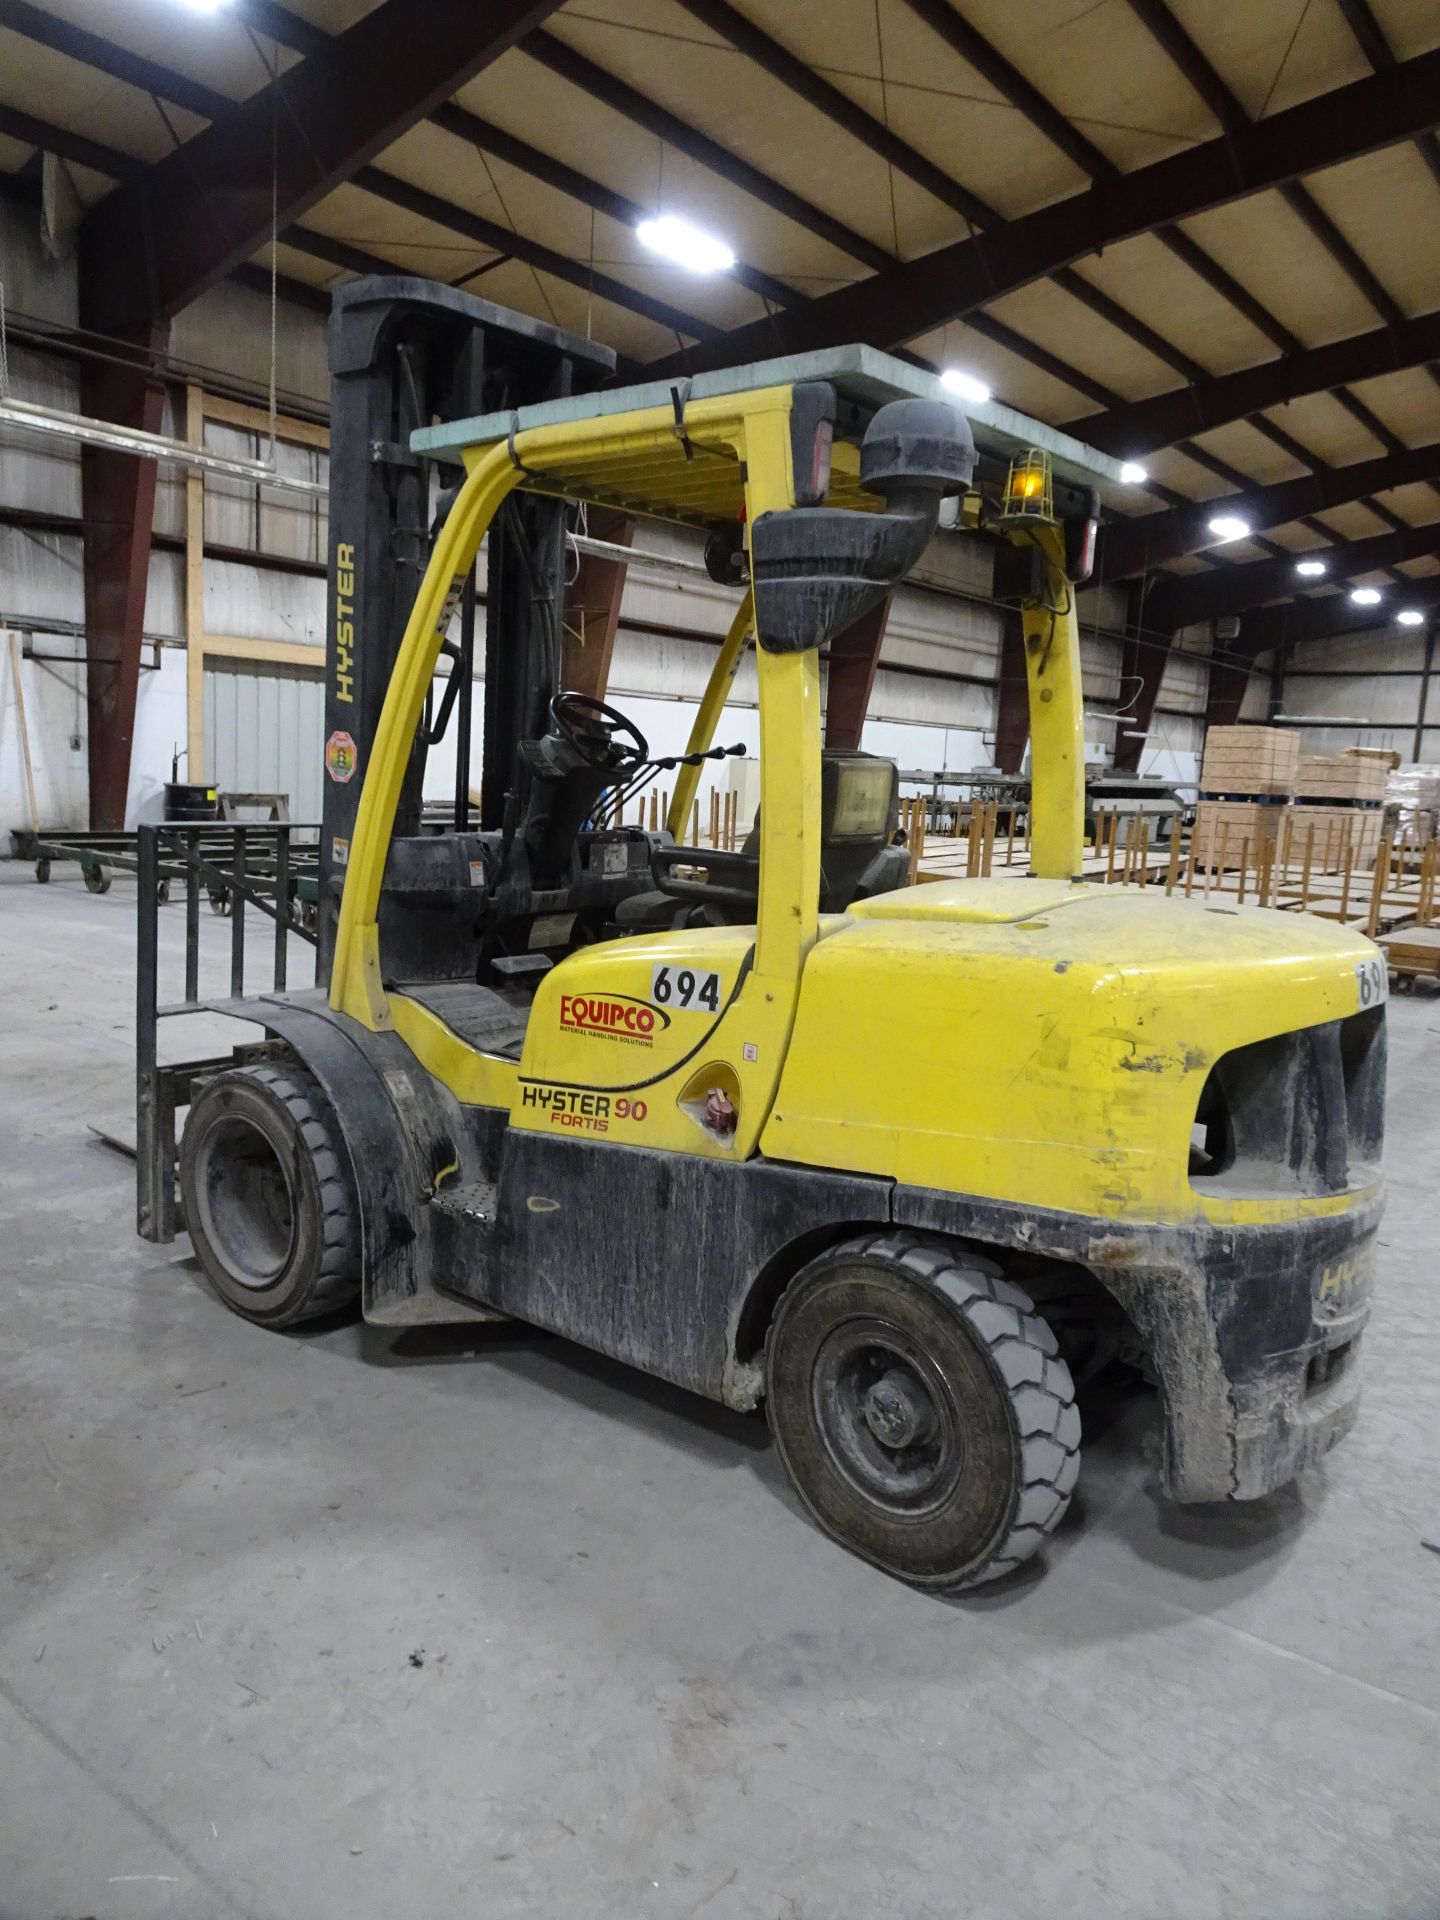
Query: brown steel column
[1228, 681]
[118, 512]
[1277, 680]
[592, 607]
[1012, 710]
[854, 657]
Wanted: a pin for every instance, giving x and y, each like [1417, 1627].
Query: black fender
[406, 1136]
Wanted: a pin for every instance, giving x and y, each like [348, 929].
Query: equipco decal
[616, 1016]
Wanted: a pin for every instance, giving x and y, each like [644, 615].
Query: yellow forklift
[900, 1163]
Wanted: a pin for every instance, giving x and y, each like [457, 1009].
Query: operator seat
[860, 854]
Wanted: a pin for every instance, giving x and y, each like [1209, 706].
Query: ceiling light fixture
[1312, 569]
[965, 384]
[205, 6]
[1410, 617]
[1366, 596]
[687, 246]
[1132, 474]
[1229, 526]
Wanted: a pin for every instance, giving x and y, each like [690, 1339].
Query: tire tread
[1025, 1354]
[336, 1279]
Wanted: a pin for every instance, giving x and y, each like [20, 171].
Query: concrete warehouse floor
[647, 1685]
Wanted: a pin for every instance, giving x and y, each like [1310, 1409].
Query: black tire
[921, 1408]
[97, 880]
[42, 872]
[269, 1197]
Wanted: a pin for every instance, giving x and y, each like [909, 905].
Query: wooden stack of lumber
[1250, 760]
[1234, 833]
[1335, 829]
[1341, 776]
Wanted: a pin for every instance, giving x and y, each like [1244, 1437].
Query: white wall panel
[229, 328]
[54, 700]
[255, 605]
[42, 474]
[165, 596]
[265, 732]
[41, 576]
[160, 731]
[36, 286]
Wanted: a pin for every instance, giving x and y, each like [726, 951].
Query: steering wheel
[595, 731]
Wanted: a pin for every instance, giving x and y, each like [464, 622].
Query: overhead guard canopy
[863, 380]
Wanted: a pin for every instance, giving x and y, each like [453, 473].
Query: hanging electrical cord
[274, 266]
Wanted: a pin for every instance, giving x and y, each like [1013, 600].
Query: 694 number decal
[1373, 977]
[685, 988]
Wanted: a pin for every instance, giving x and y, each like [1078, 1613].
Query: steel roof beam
[1134, 545]
[1192, 63]
[560, 59]
[149, 250]
[782, 65]
[1045, 117]
[1325, 619]
[1141, 426]
[1175, 603]
[945, 285]
[149, 76]
[518, 153]
[488, 233]
[387, 187]
[61, 36]
[841, 111]
[1376, 49]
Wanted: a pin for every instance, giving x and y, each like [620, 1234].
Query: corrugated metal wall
[264, 731]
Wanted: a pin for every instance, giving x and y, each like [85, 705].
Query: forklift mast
[406, 353]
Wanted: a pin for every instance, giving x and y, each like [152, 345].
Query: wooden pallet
[1335, 833]
[1341, 776]
[1235, 833]
[1250, 760]
[1413, 951]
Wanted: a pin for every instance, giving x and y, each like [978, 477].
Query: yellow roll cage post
[1057, 720]
[646, 456]
[707, 716]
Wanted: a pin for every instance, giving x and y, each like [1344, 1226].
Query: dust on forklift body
[902, 1163]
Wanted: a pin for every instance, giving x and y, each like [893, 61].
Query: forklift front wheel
[268, 1195]
[921, 1408]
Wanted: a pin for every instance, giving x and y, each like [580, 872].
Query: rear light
[1080, 533]
[812, 435]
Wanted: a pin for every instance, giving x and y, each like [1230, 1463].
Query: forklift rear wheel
[268, 1195]
[921, 1408]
